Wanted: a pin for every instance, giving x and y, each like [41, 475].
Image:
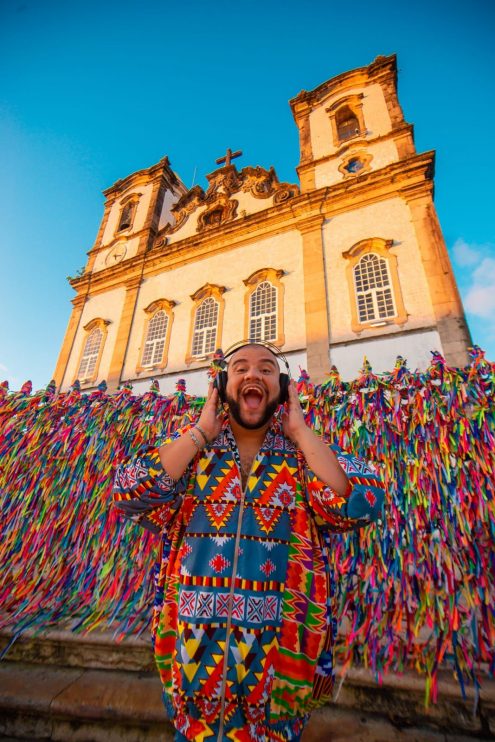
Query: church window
[205, 328]
[347, 124]
[213, 218]
[90, 354]
[263, 313]
[96, 332]
[206, 322]
[347, 119]
[126, 217]
[264, 306]
[354, 165]
[373, 289]
[156, 335]
[155, 339]
[128, 211]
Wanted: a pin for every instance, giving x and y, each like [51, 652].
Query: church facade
[349, 262]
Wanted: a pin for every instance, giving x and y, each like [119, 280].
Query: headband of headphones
[220, 381]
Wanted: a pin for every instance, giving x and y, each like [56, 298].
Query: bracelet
[200, 430]
[195, 440]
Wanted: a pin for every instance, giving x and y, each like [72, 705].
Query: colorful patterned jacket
[243, 631]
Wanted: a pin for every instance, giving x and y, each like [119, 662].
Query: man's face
[253, 386]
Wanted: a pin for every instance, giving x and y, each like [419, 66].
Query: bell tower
[135, 209]
[358, 150]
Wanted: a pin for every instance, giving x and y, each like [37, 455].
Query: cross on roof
[228, 157]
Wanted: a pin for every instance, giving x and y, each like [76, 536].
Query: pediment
[230, 195]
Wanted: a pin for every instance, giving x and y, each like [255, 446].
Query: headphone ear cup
[220, 383]
[284, 388]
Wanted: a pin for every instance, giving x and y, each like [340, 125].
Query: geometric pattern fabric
[243, 631]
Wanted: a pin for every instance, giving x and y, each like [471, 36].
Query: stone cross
[228, 157]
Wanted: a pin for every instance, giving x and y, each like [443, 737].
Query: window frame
[205, 292]
[95, 324]
[379, 264]
[159, 305]
[132, 201]
[272, 276]
[381, 248]
[361, 155]
[355, 104]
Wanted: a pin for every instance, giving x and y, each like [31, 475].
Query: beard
[235, 410]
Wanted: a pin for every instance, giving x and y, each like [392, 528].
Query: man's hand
[177, 455]
[319, 457]
[210, 419]
[293, 423]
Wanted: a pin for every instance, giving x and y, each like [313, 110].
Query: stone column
[123, 333]
[68, 344]
[97, 244]
[447, 305]
[306, 167]
[315, 299]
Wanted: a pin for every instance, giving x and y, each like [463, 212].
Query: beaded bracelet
[200, 430]
[195, 440]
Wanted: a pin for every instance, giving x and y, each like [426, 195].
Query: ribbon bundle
[415, 590]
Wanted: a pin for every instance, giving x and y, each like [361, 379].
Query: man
[245, 499]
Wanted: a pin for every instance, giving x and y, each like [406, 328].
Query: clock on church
[115, 255]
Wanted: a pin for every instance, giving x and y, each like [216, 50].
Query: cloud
[479, 298]
[3, 368]
[464, 254]
[475, 272]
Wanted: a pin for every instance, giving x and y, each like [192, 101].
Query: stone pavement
[65, 687]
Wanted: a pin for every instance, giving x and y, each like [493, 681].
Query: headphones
[220, 380]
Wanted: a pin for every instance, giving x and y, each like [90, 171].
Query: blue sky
[91, 92]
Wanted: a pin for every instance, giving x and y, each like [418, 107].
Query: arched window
[128, 211]
[155, 339]
[205, 331]
[347, 124]
[373, 289]
[156, 334]
[263, 313]
[126, 217]
[205, 327]
[96, 332]
[347, 119]
[374, 286]
[90, 354]
[264, 306]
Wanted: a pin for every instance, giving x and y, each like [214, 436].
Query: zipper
[228, 628]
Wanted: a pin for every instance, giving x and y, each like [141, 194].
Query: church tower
[376, 259]
[349, 263]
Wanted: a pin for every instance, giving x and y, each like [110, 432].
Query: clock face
[116, 254]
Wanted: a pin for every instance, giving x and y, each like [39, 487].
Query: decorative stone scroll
[220, 207]
[185, 206]
[263, 183]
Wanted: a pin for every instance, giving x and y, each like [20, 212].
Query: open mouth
[252, 396]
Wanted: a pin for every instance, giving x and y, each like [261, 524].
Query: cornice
[132, 283]
[119, 237]
[360, 76]
[79, 300]
[358, 143]
[161, 168]
[312, 223]
[408, 178]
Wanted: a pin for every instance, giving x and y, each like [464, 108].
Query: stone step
[96, 650]
[64, 686]
[46, 702]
